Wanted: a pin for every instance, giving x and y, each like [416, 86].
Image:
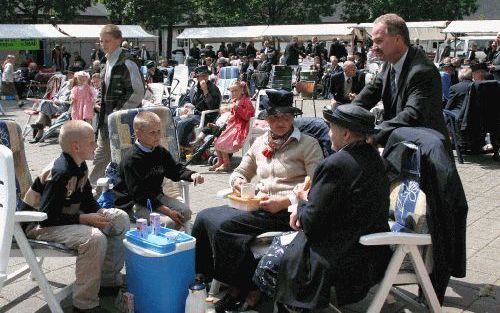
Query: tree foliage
[411, 10]
[61, 10]
[151, 14]
[253, 12]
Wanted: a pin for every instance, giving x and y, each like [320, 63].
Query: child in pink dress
[233, 137]
[82, 98]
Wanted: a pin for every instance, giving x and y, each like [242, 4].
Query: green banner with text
[19, 44]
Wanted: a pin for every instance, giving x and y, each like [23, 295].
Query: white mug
[247, 191]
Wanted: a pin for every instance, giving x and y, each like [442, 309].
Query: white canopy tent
[84, 31]
[220, 34]
[486, 27]
[306, 31]
[29, 31]
[82, 37]
[424, 31]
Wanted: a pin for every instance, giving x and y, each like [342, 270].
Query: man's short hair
[465, 74]
[113, 30]
[73, 131]
[395, 26]
[145, 118]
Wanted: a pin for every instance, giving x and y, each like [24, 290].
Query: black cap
[280, 101]
[352, 117]
[202, 69]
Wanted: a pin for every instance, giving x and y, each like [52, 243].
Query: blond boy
[142, 171]
[75, 220]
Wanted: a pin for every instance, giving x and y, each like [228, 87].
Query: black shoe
[97, 309]
[35, 140]
[109, 291]
[227, 303]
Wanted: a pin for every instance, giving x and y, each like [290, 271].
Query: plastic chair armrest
[203, 115]
[29, 216]
[392, 238]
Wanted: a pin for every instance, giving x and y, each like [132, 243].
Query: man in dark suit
[495, 62]
[409, 85]
[459, 91]
[337, 49]
[292, 52]
[347, 84]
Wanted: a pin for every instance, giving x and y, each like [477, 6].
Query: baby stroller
[206, 150]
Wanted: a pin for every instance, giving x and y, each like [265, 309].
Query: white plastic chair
[10, 227]
[410, 201]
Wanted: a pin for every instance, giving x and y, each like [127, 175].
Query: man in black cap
[203, 96]
[153, 75]
[348, 198]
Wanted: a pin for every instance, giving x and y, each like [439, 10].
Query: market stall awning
[29, 31]
[429, 30]
[218, 34]
[93, 31]
[486, 27]
[306, 31]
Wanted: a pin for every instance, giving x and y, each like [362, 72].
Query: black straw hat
[280, 101]
[352, 117]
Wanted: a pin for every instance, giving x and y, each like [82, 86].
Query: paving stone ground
[478, 292]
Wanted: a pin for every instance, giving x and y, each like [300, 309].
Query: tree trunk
[170, 32]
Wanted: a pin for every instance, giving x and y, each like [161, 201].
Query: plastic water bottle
[195, 301]
[8, 97]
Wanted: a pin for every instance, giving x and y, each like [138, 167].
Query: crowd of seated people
[348, 196]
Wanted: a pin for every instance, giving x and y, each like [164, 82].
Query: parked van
[464, 43]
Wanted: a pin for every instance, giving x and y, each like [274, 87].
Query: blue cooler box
[159, 270]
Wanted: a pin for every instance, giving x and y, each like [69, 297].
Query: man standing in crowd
[347, 84]
[144, 53]
[409, 85]
[292, 52]
[495, 62]
[337, 49]
[194, 52]
[472, 52]
[122, 87]
[251, 49]
[98, 54]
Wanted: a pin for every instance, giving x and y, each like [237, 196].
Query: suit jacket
[457, 95]
[349, 198]
[292, 52]
[337, 85]
[418, 102]
[496, 61]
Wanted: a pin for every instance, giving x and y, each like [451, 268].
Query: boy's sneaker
[97, 309]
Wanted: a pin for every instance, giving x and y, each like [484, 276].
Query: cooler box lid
[163, 243]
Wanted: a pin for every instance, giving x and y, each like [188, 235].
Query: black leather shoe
[227, 303]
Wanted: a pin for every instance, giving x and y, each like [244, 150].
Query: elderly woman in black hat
[277, 162]
[204, 95]
[348, 198]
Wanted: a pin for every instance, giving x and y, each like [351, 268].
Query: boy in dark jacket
[142, 170]
[75, 220]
